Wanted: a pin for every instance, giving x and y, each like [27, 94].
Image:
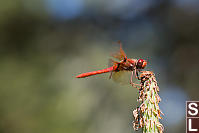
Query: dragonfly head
[141, 64]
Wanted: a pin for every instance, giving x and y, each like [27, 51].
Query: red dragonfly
[124, 64]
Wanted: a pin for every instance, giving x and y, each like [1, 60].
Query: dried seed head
[147, 115]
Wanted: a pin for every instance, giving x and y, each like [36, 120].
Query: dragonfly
[123, 64]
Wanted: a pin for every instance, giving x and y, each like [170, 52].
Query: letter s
[192, 108]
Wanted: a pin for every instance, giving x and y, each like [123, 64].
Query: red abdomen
[96, 72]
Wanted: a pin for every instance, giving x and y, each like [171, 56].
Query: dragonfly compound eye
[141, 64]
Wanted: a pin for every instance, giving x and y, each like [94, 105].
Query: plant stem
[147, 115]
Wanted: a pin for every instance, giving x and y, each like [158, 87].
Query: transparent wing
[122, 77]
[111, 62]
[120, 55]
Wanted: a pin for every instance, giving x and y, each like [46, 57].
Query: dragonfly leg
[137, 76]
[131, 82]
[131, 77]
[136, 85]
[111, 75]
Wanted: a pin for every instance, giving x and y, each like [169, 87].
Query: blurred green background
[44, 44]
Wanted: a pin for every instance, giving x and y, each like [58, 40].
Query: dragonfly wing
[120, 55]
[122, 77]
